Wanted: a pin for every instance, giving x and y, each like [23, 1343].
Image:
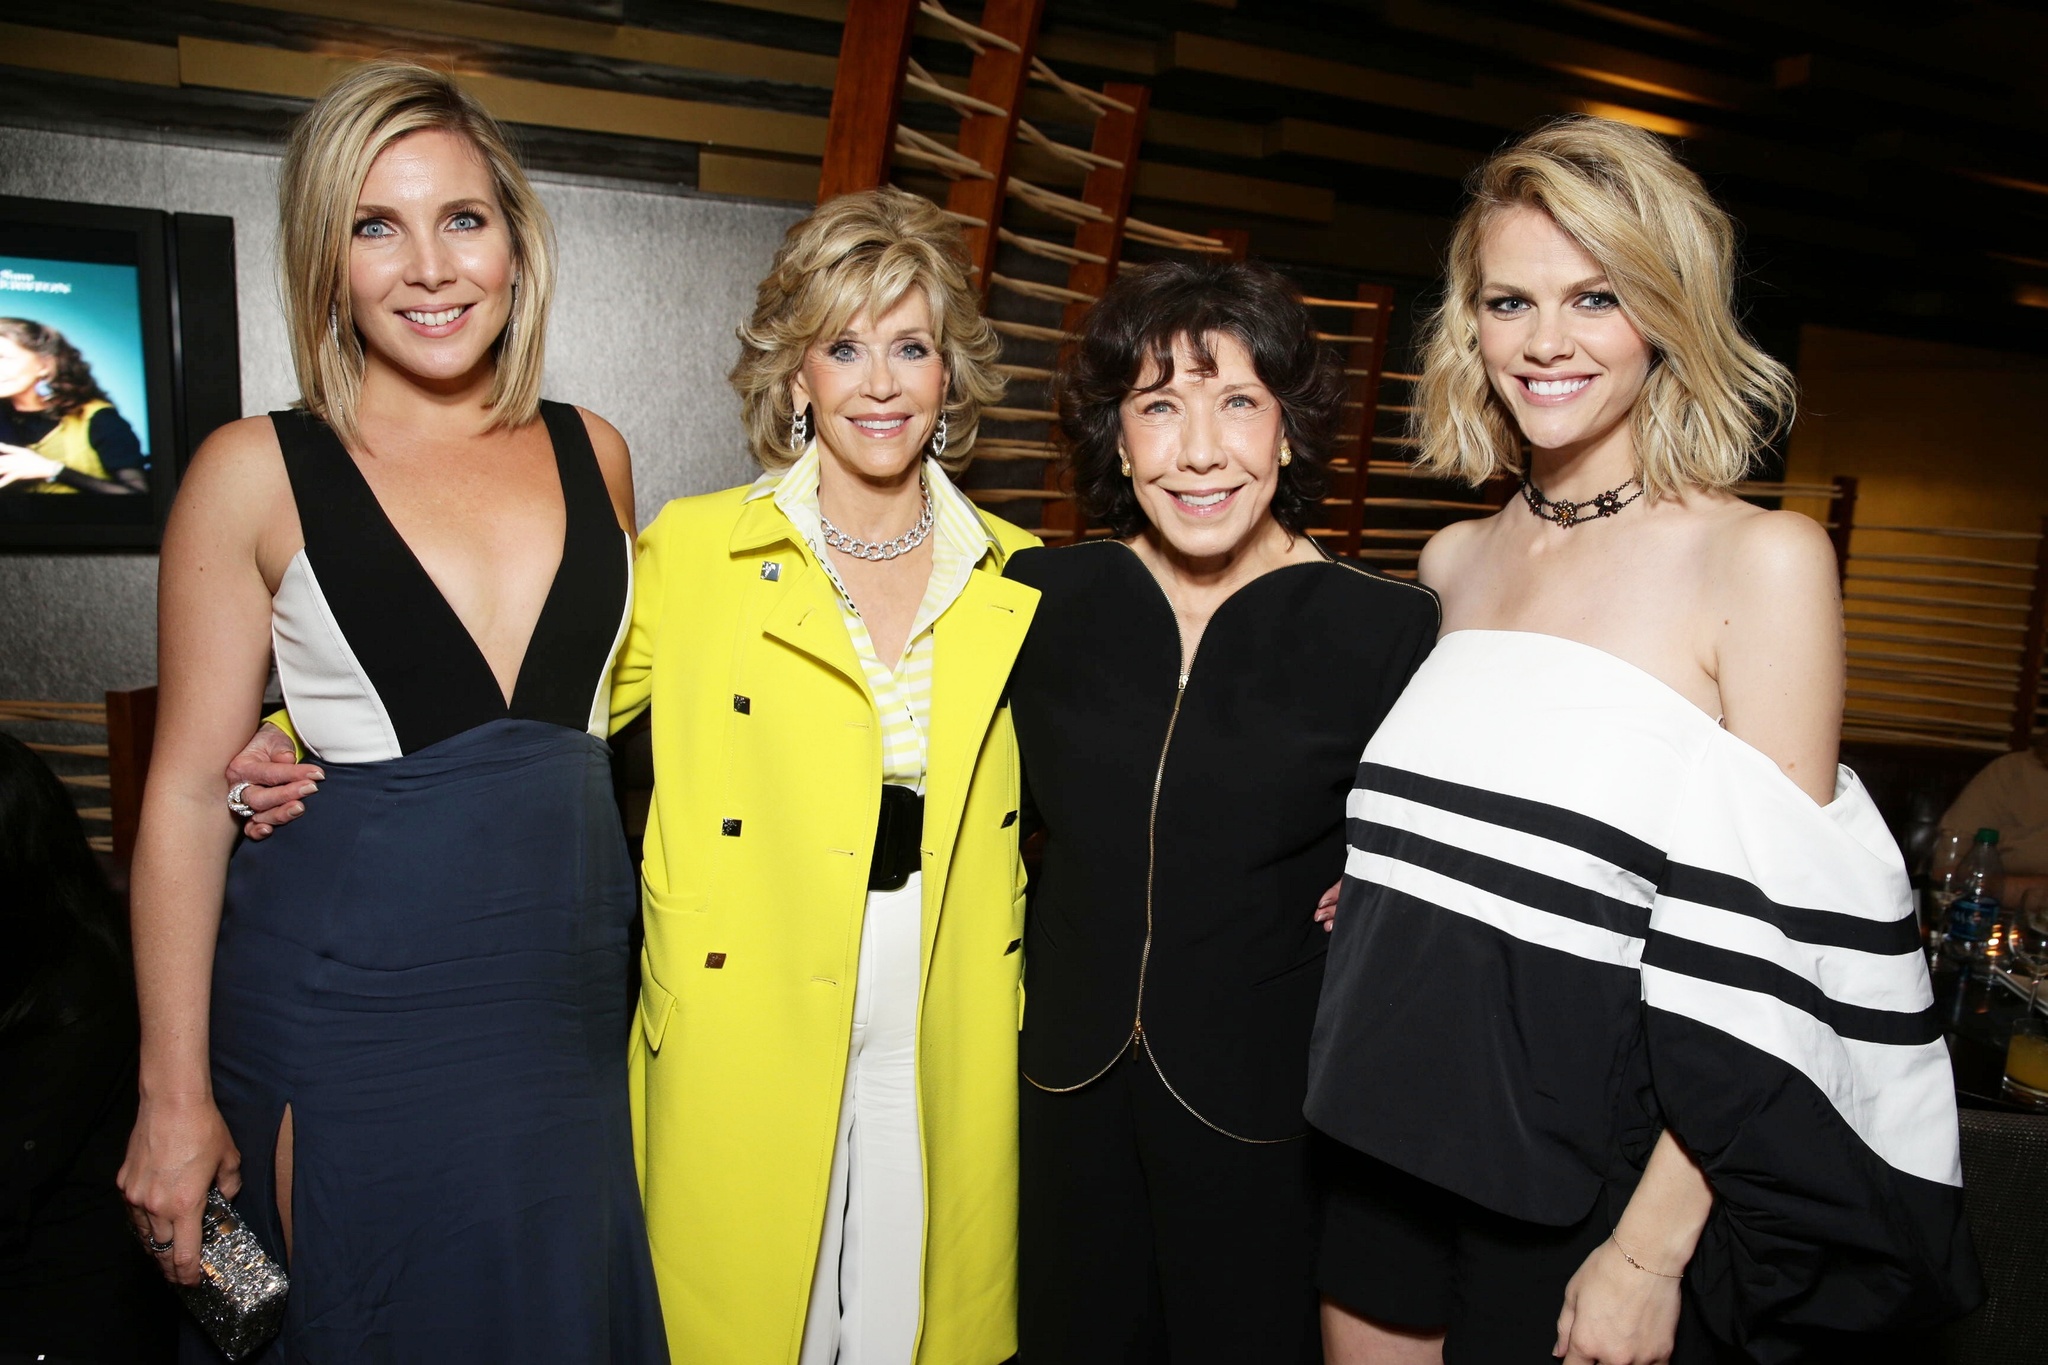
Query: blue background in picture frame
[101, 315]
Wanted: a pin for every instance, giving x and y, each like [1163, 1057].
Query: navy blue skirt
[430, 968]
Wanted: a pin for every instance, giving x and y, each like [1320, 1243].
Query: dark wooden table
[1977, 1019]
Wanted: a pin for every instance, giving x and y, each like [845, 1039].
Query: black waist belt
[899, 839]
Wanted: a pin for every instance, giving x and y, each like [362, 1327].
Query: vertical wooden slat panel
[2027, 699]
[865, 96]
[1239, 240]
[1118, 136]
[1368, 357]
[1842, 521]
[999, 78]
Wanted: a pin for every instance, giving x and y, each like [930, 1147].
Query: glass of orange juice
[2026, 1062]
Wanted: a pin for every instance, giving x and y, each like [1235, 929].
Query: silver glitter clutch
[239, 1299]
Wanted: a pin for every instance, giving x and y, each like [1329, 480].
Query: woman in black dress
[1190, 706]
[397, 1034]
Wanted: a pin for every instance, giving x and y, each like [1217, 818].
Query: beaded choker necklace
[1570, 514]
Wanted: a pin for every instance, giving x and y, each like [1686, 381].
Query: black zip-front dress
[1172, 962]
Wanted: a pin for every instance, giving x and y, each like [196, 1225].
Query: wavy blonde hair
[861, 253]
[325, 164]
[1712, 398]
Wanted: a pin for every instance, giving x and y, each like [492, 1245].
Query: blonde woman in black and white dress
[1623, 1013]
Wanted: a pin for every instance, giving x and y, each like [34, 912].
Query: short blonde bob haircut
[325, 165]
[1712, 398]
[861, 254]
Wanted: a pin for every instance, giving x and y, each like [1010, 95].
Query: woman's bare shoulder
[244, 445]
[235, 491]
[239, 468]
[1771, 550]
[614, 461]
[1450, 551]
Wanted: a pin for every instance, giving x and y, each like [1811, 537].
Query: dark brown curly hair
[1138, 320]
[72, 386]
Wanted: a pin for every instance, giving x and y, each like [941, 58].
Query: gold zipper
[1136, 1042]
[1152, 848]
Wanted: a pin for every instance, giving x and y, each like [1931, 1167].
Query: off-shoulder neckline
[1651, 682]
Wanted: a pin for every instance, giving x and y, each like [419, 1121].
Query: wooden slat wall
[1845, 157]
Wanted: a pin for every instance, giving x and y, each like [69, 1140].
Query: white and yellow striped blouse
[959, 542]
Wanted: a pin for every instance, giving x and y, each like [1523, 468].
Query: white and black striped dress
[1577, 911]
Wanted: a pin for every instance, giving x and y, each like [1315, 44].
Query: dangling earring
[939, 438]
[799, 430]
[512, 317]
[45, 390]
[1286, 453]
[334, 324]
[1123, 461]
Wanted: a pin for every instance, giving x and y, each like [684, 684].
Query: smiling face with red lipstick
[1558, 350]
[431, 262]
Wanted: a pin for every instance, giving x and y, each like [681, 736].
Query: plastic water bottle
[1973, 917]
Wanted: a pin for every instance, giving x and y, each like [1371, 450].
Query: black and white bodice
[373, 661]
[1577, 911]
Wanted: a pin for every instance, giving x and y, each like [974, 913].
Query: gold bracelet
[1638, 1264]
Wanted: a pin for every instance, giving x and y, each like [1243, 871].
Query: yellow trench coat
[767, 762]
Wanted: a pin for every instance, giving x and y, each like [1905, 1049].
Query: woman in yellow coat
[825, 1071]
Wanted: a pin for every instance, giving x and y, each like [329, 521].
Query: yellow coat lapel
[806, 613]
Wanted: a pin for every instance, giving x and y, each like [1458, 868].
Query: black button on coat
[1293, 674]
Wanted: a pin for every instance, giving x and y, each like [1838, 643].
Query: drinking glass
[1943, 859]
[2028, 937]
[2026, 1058]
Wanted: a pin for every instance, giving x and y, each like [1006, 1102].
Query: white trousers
[865, 1293]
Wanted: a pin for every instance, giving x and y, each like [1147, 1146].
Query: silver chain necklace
[887, 549]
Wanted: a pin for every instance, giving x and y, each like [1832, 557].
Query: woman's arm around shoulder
[231, 534]
[616, 464]
[1774, 605]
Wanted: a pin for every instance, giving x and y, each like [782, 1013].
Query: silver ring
[154, 1245]
[235, 803]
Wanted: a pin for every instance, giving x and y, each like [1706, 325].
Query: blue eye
[1599, 302]
[466, 221]
[1506, 306]
[374, 227]
[914, 350]
[842, 350]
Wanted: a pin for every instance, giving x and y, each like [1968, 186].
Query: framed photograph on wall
[117, 355]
